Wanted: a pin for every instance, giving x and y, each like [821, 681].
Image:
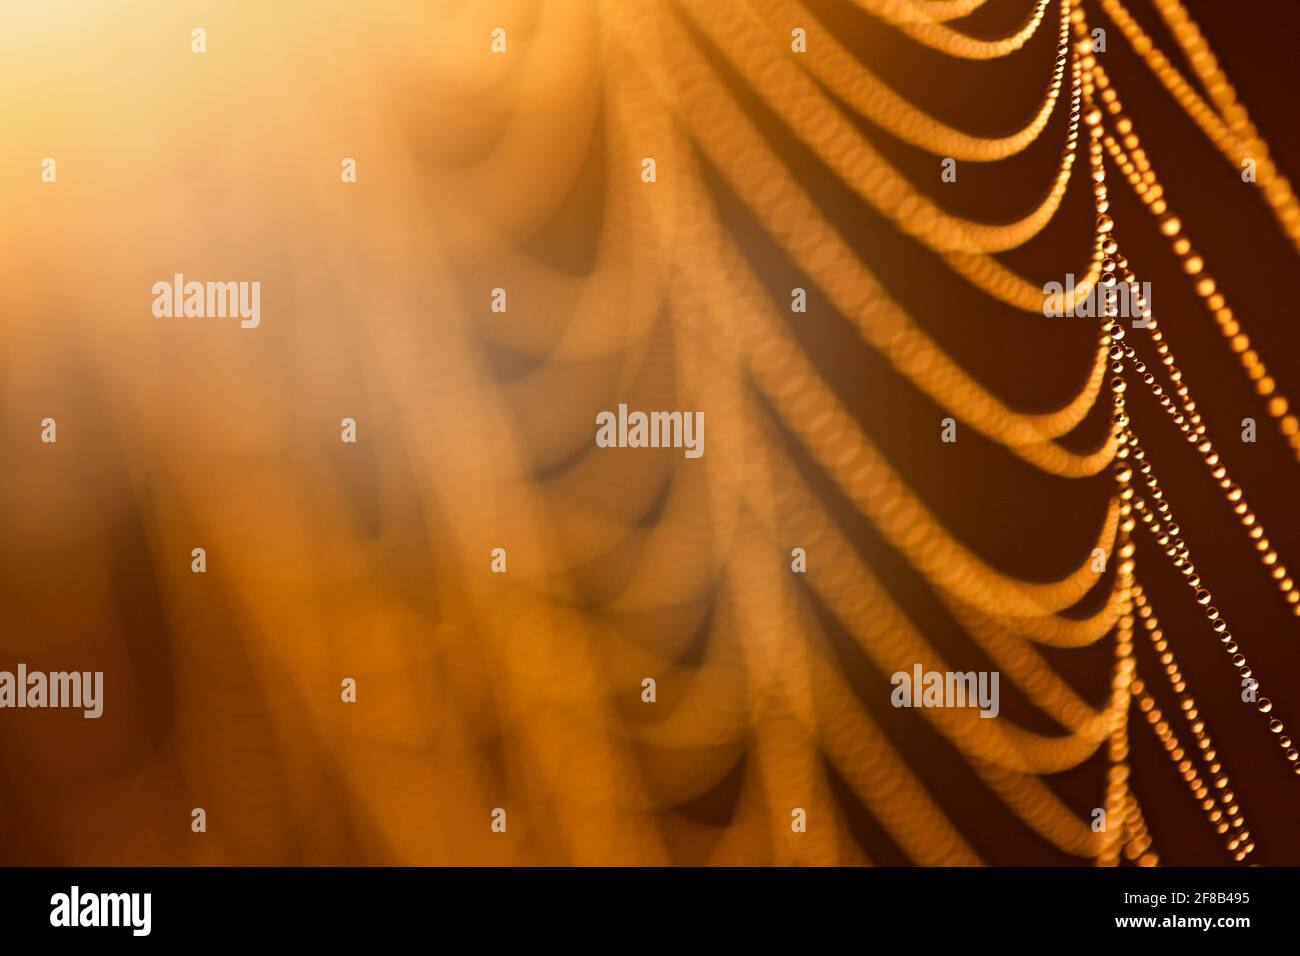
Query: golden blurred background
[502, 145]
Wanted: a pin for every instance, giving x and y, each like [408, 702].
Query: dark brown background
[1034, 525]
